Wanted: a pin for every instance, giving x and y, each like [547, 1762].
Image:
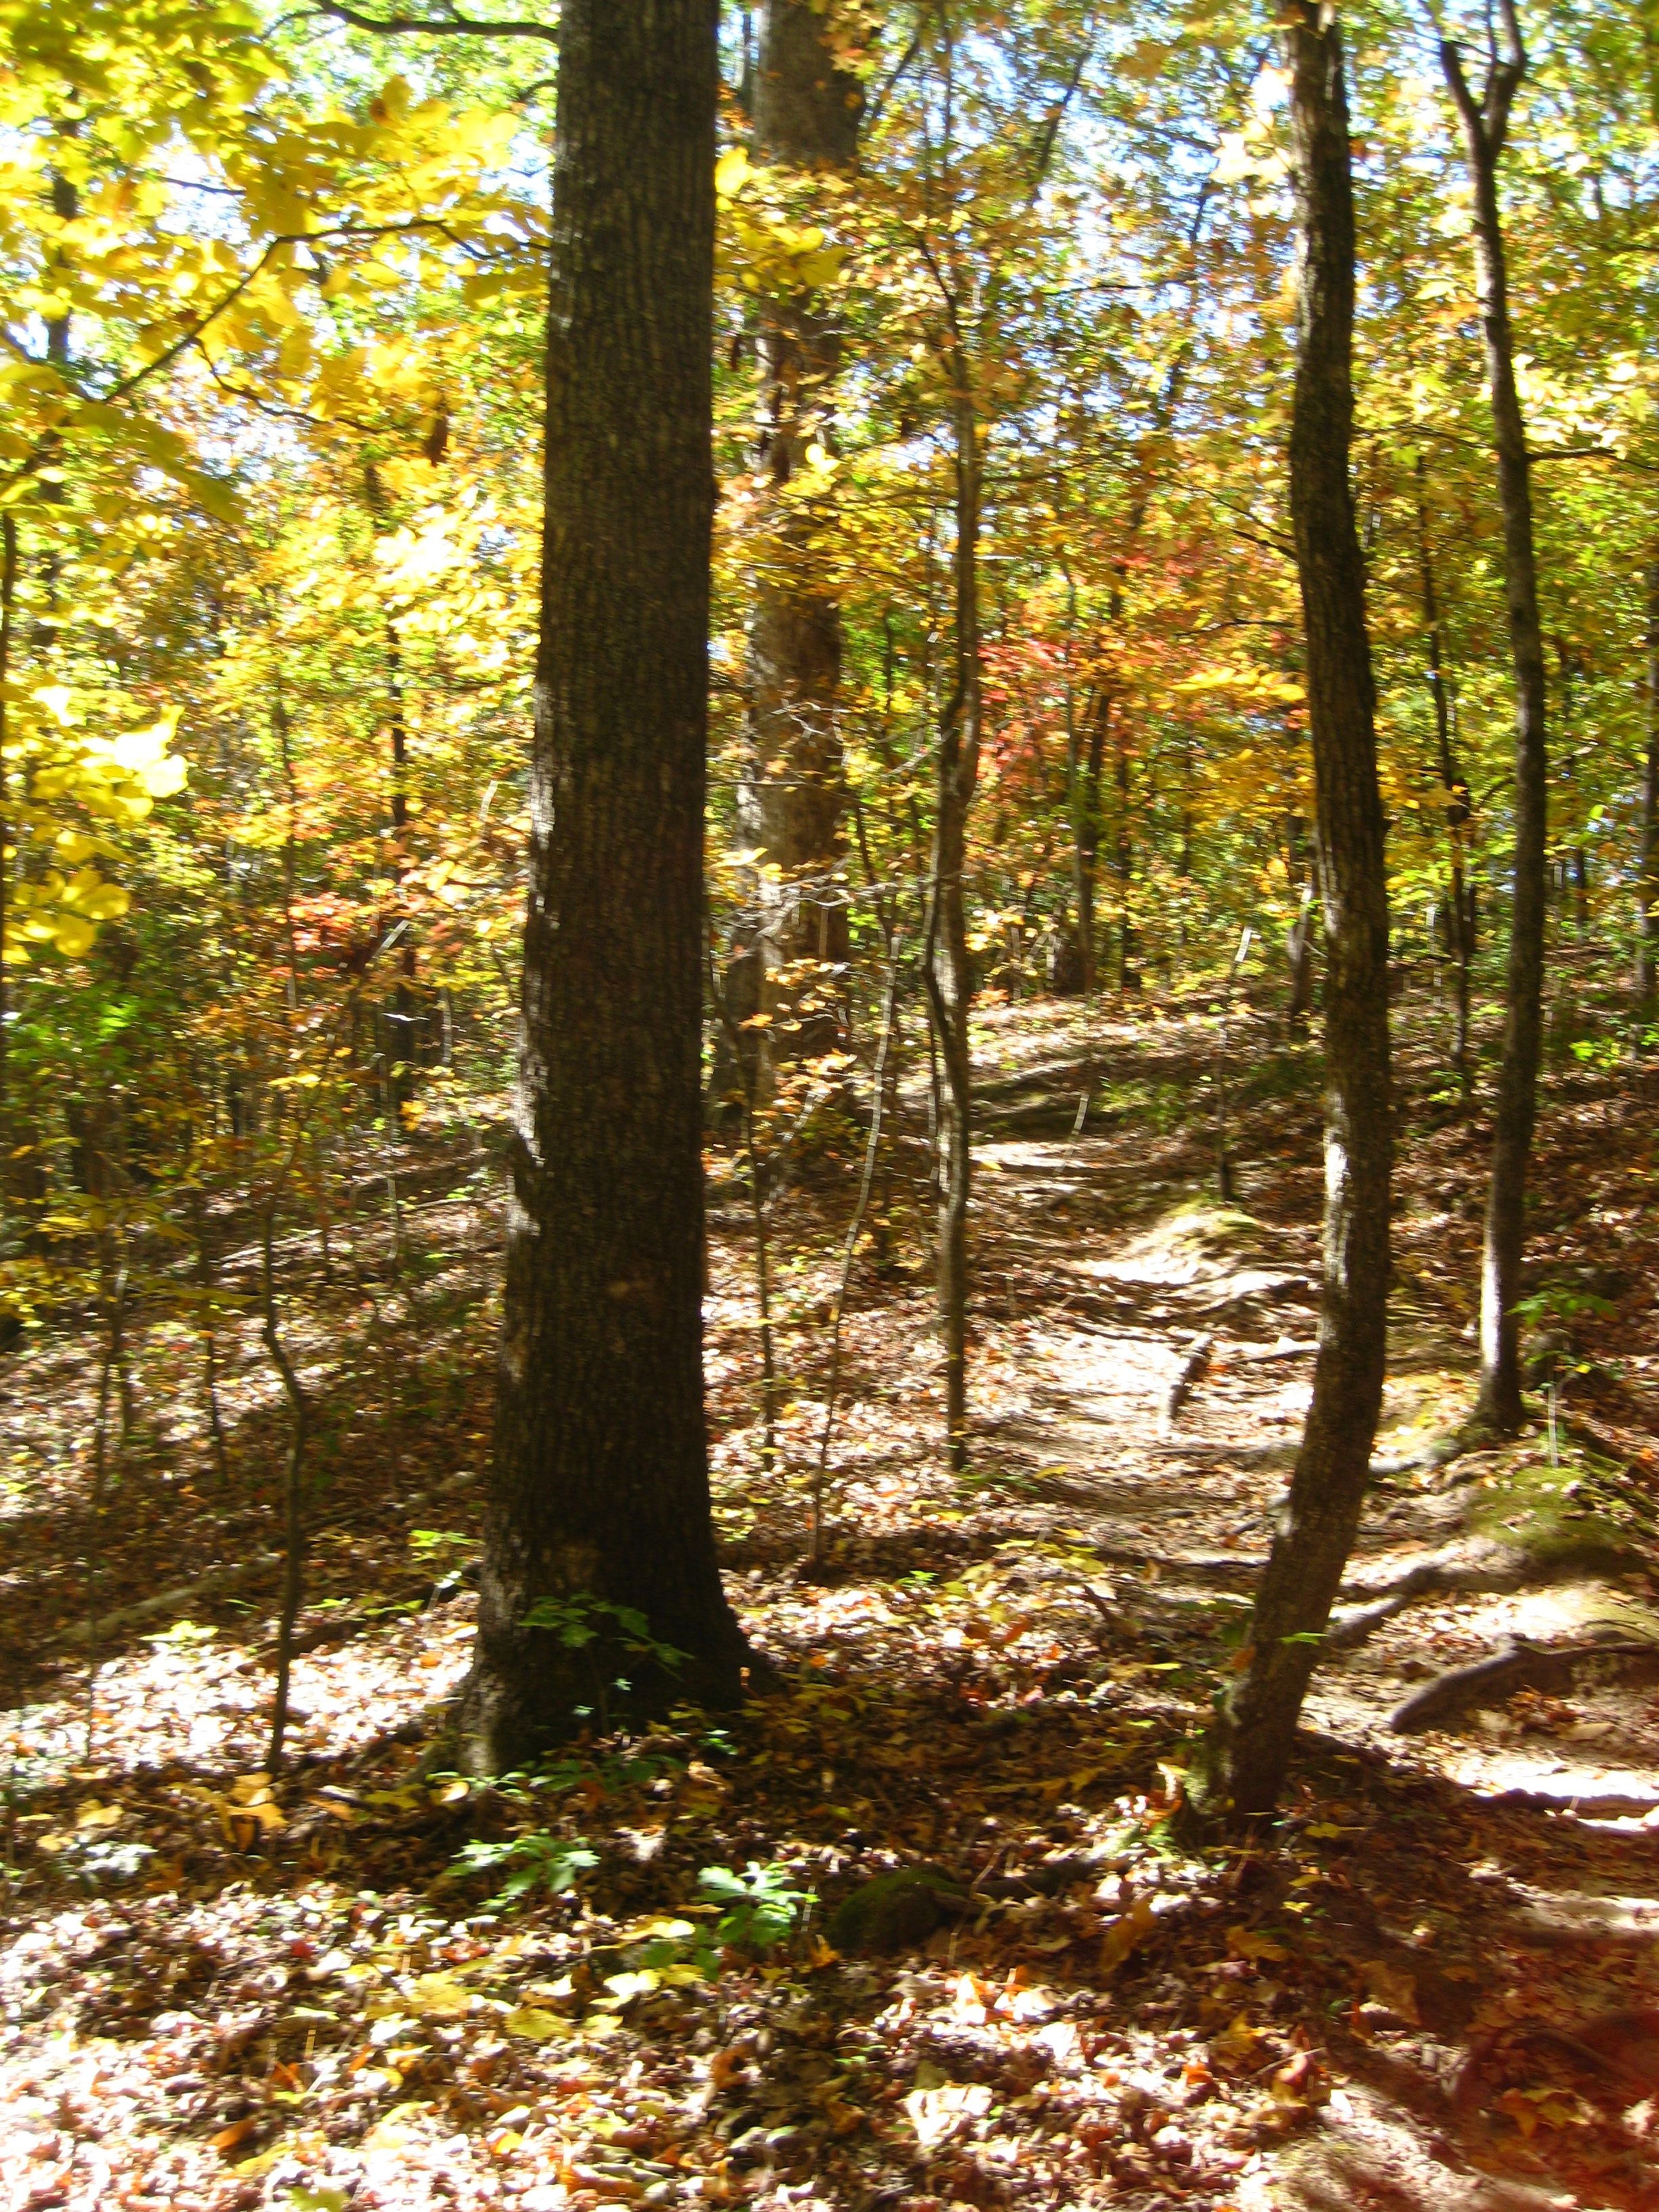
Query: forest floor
[219, 1992]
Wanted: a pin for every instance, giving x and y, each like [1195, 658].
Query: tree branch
[443, 26]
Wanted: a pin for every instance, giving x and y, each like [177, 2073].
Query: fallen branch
[174, 1601]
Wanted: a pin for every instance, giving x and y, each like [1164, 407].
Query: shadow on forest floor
[218, 1992]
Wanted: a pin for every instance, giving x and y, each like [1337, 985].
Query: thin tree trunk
[7, 601]
[292, 1495]
[1486, 124]
[946, 965]
[849, 1248]
[1575, 867]
[1085, 765]
[290, 839]
[206, 1290]
[807, 111]
[1128, 975]
[599, 1480]
[404, 1005]
[1647, 878]
[109, 1363]
[1457, 791]
[747, 1074]
[1298, 944]
[1249, 1750]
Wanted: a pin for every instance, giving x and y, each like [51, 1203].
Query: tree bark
[600, 1482]
[1085, 763]
[1486, 124]
[1647, 878]
[1128, 975]
[1456, 790]
[1299, 943]
[946, 963]
[807, 111]
[8, 602]
[1248, 1753]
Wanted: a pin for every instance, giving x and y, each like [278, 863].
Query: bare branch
[440, 27]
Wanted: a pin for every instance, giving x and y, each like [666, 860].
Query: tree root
[1489, 1682]
[1197, 1360]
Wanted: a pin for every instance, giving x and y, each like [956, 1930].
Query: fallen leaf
[537, 2024]
[439, 1996]
[1126, 1933]
[1392, 1986]
[396, 2129]
[937, 2114]
[1245, 1943]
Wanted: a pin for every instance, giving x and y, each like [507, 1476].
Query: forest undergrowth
[915, 1928]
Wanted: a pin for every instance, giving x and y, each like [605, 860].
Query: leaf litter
[614, 1981]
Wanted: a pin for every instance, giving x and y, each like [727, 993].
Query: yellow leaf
[72, 936]
[537, 2024]
[1245, 1943]
[732, 173]
[394, 2131]
[439, 1996]
[1126, 1933]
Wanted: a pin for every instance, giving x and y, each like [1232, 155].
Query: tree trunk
[1457, 791]
[1128, 975]
[806, 117]
[599, 1484]
[946, 965]
[8, 602]
[1647, 878]
[1485, 126]
[1248, 1749]
[405, 1015]
[1298, 946]
[1085, 765]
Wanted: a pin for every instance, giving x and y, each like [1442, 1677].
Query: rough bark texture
[1647, 884]
[807, 117]
[1249, 1750]
[1486, 124]
[600, 1482]
[1299, 937]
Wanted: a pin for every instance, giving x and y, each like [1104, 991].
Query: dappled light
[829, 1107]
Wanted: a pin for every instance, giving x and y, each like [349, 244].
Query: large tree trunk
[1486, 124]
[1248, 1749]
[806, 115]
[946, 965]
[600, 1487]
[1647, 878]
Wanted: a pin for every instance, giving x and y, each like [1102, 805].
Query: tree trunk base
[600, 1688]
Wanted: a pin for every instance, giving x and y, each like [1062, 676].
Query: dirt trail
[1167, 1361]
